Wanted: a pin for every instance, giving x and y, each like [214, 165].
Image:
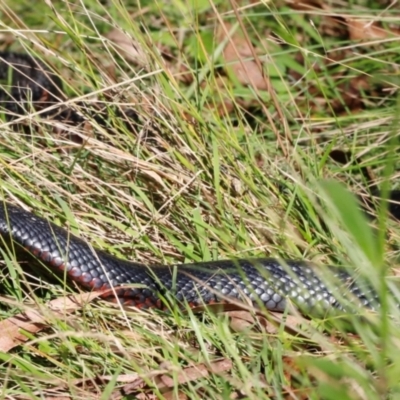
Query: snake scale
[266, 282]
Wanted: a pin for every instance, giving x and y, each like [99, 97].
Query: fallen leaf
[173, 396]
[128, 48]
[238, 54]
[242, 321]
[164, 382]
[305, 4]
[194, 373]
[361, 29]
[63, 397]
[180, 71]
[33, 321]
[146, 396]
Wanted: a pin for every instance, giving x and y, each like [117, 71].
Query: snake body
[26, 82]
[267, 283]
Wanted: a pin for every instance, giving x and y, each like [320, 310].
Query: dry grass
[190, 184]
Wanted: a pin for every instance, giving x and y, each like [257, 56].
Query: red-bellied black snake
[266, 282]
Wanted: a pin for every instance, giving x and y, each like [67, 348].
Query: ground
[257, 124]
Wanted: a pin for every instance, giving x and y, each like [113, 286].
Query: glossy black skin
[266, 282]
[369, 203]
[27, 85]
[26, 81]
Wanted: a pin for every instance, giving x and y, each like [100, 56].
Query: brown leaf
[194, 373]
[360, 29]
[33, 321]
[146, 396]
[164, 382]
[294, 323]
[128, 48]
[241, 321]
[63, 397]
[237, 55]
[305, 4]
[176, 67]
[173, 396]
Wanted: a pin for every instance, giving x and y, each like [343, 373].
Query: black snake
[265, 282]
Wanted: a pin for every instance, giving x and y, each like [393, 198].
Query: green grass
[192, 185]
